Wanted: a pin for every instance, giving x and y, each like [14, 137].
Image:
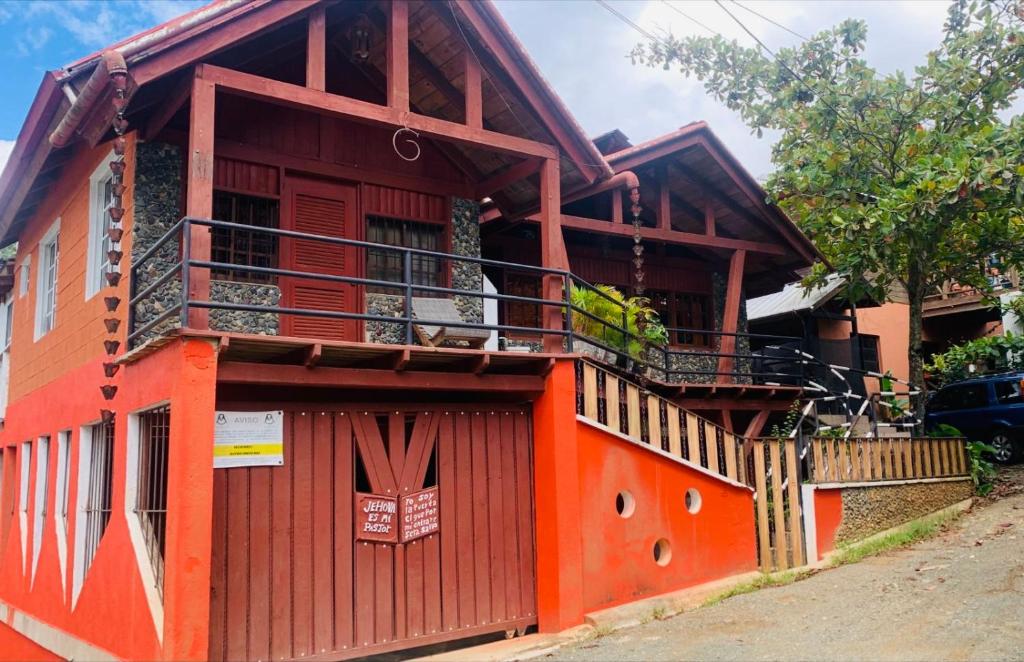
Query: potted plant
[609, 312]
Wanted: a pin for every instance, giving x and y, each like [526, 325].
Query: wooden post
[474, 91]
[709, 219]
[199, 200]
[731, 315]
[616, 205]
[398, 55]
[316, 50]
[664, 200]
[552, 249]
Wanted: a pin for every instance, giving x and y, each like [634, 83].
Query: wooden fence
[648, 418]
[875, 459]
[779, 518]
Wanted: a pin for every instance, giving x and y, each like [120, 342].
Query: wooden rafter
[672, 236]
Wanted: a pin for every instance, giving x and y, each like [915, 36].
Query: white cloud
[6, 146]
[34, 39]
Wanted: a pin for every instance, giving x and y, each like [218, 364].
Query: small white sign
[248, 439]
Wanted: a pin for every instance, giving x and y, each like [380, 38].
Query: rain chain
[115, 232]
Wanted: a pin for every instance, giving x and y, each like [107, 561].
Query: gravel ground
[957, 596]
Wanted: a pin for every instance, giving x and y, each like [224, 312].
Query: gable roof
[704, 165]
[794, 298]
[184, 41]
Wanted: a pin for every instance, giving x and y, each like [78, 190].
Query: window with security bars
[389, 265]
[151, 489]
[98, 499]
[684, 311]
[244, 247]
[521, 313]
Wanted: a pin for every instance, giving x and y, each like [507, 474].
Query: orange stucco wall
[890, 322]
[828, 515]
[112, 612]
[618, 559]
[78, 333]
[13, 646]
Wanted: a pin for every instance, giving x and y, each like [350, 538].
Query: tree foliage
[901, 180]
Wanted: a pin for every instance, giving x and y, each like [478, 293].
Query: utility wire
[687, 16]
[770, 20]
[625, 19]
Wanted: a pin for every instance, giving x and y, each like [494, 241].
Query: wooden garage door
[289, 577]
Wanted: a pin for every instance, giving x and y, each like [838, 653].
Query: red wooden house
[293, 368]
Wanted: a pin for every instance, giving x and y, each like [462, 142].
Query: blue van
[988, 408]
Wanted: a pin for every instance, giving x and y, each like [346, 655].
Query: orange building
[299, 363]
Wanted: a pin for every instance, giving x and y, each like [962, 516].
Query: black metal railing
[755, 359]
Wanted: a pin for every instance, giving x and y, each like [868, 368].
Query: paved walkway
[958, 596]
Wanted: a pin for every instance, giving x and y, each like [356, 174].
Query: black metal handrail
[616, 337]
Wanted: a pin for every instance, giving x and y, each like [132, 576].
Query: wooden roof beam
[672, 236]
[295, 96]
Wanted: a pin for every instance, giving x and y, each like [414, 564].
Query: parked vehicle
[989, 408]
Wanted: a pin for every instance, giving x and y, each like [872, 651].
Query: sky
[580, 47]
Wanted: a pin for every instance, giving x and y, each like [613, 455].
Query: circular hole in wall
[625, 504]
[662, 552]
[693, 500]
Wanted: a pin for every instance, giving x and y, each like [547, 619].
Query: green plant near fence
[613, 310]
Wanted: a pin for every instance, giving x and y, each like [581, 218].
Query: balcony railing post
[567, 299]
[186, 263]
[407, 277]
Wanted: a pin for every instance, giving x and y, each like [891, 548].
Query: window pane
[386, 265]
[1008, 392]
[968, 396]
[244, 247]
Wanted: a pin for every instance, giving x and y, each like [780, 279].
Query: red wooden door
[291, 580]
[325, 209]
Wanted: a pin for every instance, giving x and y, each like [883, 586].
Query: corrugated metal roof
[793, 298]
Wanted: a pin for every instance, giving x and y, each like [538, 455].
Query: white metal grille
[151, 497]
[98, 500]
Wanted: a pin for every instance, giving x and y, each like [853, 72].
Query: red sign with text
[420, 514]
[376, 518]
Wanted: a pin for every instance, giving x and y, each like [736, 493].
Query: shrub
[991, 354]
[606, 303]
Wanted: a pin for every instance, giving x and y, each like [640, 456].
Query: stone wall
[157, 208]
[465, 233]
[868, 510]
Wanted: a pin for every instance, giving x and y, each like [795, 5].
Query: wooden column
[316, 50]
[552, 248]
[664, 200]
[709, 219]
[398, 55]
[731, 314]
[616, 205]
[199, 199]
[474, 91]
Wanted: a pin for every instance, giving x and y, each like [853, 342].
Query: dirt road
[958, 596]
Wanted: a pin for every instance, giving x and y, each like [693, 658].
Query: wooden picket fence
[631, 410]
[872, 459]
[775, 467]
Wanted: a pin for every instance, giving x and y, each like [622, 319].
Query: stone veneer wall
[868, 510]
[465, 233]
[157, 208]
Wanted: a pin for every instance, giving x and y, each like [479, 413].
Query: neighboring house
[248, 414]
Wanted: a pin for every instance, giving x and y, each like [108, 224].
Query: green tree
[901, 180]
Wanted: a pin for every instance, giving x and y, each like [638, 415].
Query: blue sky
[579, 46]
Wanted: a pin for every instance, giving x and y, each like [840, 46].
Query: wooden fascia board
[238, 372]
[297, 96]
[589, 162]
[193, 46]
[30, 151]
[671, 236]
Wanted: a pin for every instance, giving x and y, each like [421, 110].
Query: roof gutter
[626, 179]
[111, 65]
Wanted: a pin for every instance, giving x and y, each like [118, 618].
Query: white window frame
[62, 503]
[85, 458]
[24, 276]
[135, 533]
[41, 500]
[26, 465]
[51, 238]
[98, 263]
